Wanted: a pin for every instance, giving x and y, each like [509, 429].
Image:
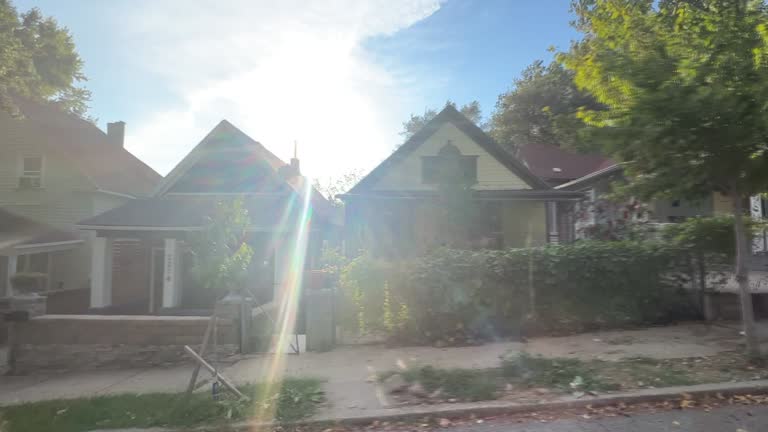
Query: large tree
[542, 108]
[417, 121]
[686, 87]
[38, 61]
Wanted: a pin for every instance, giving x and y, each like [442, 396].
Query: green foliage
[459, 296]
[291, 400]
[416, 121]
[684, 84]
[542, 108]
[38, 61]
[221, 253]
[370, 300]
[710, 235]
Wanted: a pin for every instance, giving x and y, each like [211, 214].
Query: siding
[491, 174]
[63, 199]
[524, 224]
[67, 196]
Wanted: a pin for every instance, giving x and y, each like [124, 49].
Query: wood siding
[491, 174]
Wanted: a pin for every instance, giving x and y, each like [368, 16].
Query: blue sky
[338, 76]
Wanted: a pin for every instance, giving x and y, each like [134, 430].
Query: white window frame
[25, 174]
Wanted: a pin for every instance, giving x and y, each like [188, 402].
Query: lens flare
[287, 298]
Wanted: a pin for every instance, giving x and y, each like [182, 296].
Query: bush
[711, 235]
[458, 296]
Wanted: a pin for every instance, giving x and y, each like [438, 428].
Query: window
[31, 172]
[449, 166]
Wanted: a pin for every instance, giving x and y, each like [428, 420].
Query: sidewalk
[349, 371]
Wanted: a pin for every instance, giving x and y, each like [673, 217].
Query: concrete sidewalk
[348, 371]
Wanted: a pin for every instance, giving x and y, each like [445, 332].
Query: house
[142, 263]
[594, 175]
[451, 184]
[55, 170]
[557, 166]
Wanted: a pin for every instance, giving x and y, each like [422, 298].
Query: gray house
[57, 169]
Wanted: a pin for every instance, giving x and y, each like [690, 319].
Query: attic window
[31, 175]
[557, 170]
[449, 166]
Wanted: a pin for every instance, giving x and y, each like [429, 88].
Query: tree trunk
[742, 276]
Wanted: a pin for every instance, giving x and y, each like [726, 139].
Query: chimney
[116, 133]
[295, 161]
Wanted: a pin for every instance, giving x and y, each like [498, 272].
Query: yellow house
[451, 185]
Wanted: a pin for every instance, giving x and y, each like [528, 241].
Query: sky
[338, 77]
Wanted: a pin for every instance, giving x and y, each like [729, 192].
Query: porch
[142, 263]
[45, 256]
[152, 273]
[411, 223]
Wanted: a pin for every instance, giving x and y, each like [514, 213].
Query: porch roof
[20, 235]
[514, 194]
[189, 213]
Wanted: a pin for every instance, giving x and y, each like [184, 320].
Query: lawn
[528, 376]
[295, 399]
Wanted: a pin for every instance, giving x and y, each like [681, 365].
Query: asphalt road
[726, 419]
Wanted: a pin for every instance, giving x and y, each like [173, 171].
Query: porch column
[171, 282]
[553, 234]
[281, 265]
[101, 272]
[12, 262]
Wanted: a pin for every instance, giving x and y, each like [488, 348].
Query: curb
[490, 408]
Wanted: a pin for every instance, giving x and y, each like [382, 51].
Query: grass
[293, 400]
[461, 384]
[567, 375]
[558, 373]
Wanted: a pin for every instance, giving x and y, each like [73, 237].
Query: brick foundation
[87, 342]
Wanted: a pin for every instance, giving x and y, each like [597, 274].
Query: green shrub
[711, 235]
[457, 296]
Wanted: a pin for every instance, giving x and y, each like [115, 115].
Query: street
[725, 419]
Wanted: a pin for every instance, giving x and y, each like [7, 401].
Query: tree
[416, 122]
[220, 252]
[38, 61]
[686, 87]
[335, 186]
[542, 108]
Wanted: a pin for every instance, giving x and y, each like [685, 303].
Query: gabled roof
[553, 163]
[224, 139]
[107, 166]
[225, 158]
[449, 114]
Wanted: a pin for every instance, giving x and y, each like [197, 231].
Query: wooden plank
[211, 369]
[203, 349]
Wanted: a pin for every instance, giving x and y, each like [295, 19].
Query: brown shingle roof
[108, 166]
[543, 159]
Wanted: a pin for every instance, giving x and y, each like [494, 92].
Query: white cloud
[281, 71]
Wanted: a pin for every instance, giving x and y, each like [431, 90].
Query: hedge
[460, 296]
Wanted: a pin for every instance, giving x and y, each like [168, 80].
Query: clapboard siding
[491, 174]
